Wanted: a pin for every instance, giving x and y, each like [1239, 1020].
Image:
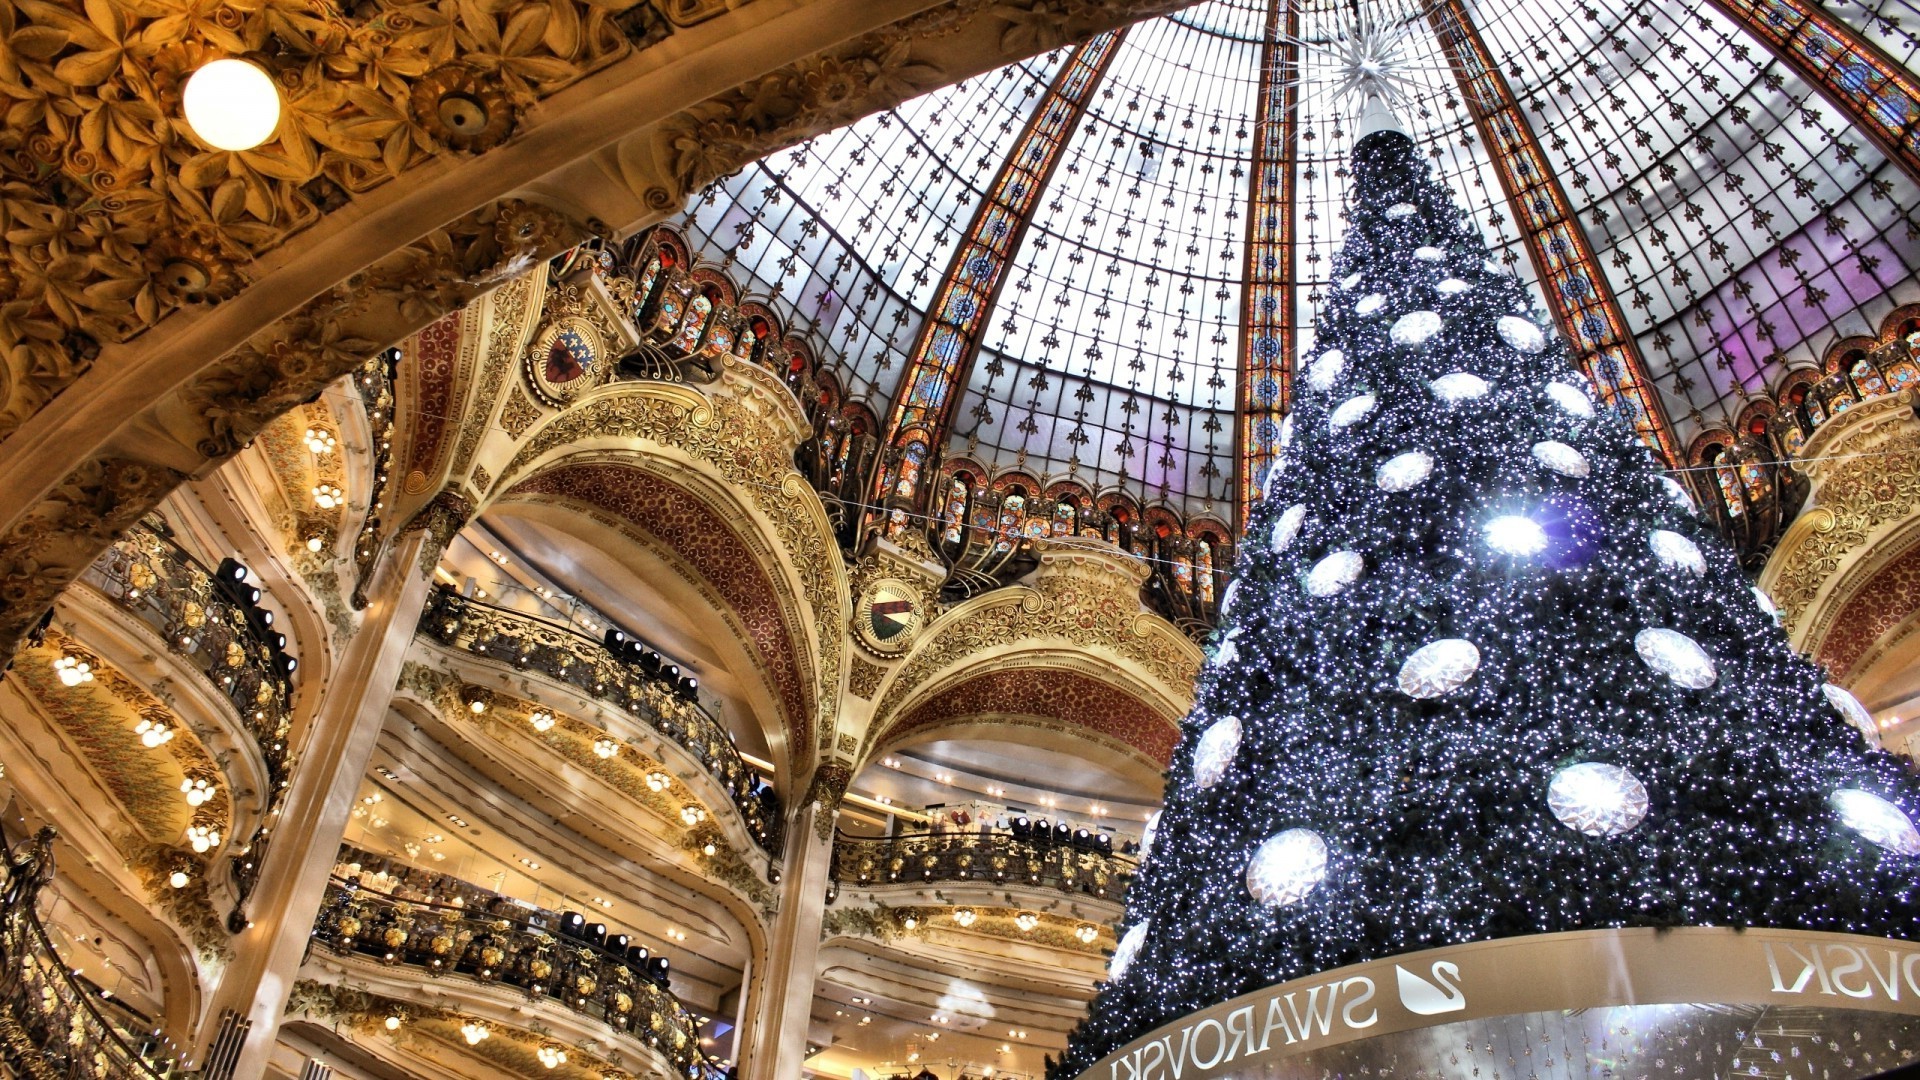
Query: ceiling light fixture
[231, 105]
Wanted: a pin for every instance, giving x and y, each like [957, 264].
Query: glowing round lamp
[231, 105]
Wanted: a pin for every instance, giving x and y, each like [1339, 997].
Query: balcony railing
[514, 946]
[158, 582]
[51, 1022]
[579, 661]
[993, 858]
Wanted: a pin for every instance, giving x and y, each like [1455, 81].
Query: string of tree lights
[1485, 671]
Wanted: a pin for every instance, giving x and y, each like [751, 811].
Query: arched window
[1013, 515]
[649, 280]
[911, 461]
[747, 343]
[1900, 367]
[1866, 377]
[1063, 517]
[1729, 480]
[955, 514]
[694, 325]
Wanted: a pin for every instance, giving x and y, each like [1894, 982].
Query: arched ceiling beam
[1570, 275]
[1879, 98]
[1266, 361]
[716, 552]
[948, 343]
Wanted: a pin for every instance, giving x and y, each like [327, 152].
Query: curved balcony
[157, 581]
[493, 940]
[52, 1023]
[994, 858]
[528, 643]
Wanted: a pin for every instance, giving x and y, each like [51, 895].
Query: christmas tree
[1484, 672]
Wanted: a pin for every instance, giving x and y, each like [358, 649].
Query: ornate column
[307, 835]
[777, 1044]
[1576, 288]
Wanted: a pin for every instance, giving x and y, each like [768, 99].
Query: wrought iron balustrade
[514, 946]
[52, 1024]
[995, 858]
[150, 576]
[526, 642]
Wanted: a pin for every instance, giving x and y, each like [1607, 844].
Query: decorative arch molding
[665, 509]
[1864, 466]
[1080, 601]
[1874, 607]
[1049, 689]
[736, 443]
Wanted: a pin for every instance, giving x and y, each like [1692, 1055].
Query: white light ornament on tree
[1678, 495]
[1335, 572]
[1351, 280]
[1215, 752]
[1415, 328]
[1371, 303]
[1404, 472]
[1852, 712]
[1597, 799]
[1429, 254]
[1439, 667]
[1561, 458]
[1767, 606]
[1571, 399]
[1520, 333]
[1457, 386]
[1452, 286]
[1676, 552]
[1288, 527]
[1677, 656]
[1401, 210]
[1515, 534]
[1146, 836]
[1877, 820]
[1287, 867]
[1228, 651]
[1324, 371]
[1127, 949]
[1350, 412]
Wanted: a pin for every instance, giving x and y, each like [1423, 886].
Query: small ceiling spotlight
[231, 104]
[478, 698]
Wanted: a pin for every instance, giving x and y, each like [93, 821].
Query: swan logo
[1441, 995]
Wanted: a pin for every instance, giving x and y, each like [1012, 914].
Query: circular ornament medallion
[888, 616]
[568, 356]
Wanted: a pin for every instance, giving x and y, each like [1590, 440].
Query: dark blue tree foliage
[1433, 810]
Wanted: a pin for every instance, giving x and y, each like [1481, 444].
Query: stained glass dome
[1103, 263]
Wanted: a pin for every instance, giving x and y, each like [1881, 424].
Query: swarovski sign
[1523, 975]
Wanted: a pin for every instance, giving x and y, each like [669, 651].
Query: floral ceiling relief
[116, 214]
